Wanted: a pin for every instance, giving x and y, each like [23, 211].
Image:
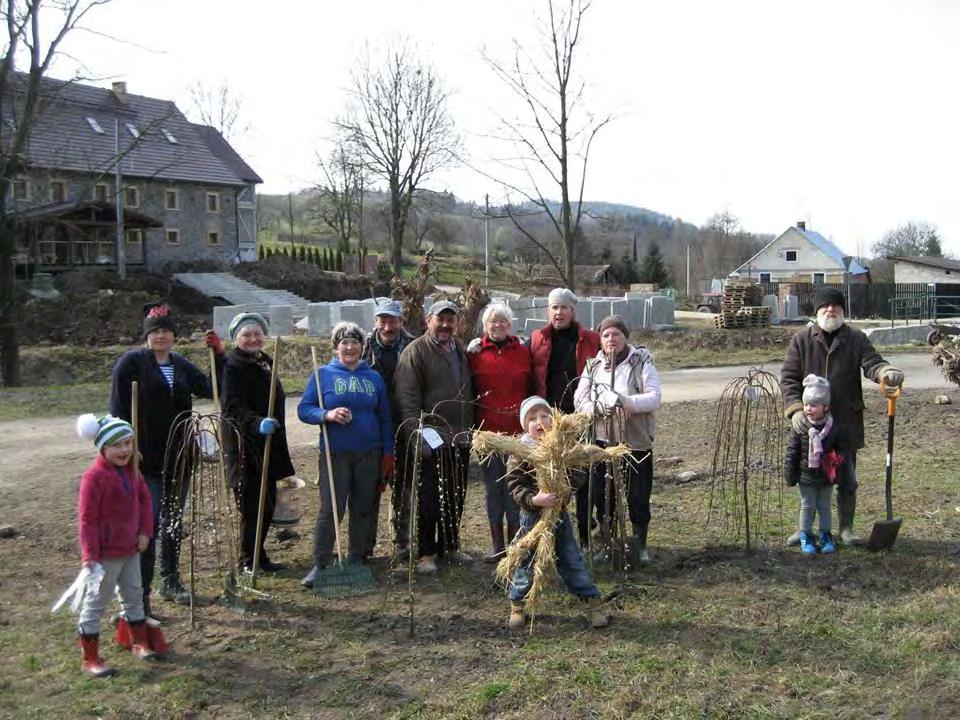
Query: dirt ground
[705, 631]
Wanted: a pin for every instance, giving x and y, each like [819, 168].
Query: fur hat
[816, 390]
[346, 330]
[247, 319]
[104, 430]
[829, 296]
[529, 404]
[562, 296]
[614, 321]
[157, 316]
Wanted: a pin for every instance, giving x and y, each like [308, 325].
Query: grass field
[706, 631]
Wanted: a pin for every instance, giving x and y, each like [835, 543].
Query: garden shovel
[884, 532]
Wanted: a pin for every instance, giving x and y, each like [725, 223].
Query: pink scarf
[816, 442]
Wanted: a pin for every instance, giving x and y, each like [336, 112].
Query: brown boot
[92, 664]
[140, 645]
[594, 613]
[518, 617]
[499, 544]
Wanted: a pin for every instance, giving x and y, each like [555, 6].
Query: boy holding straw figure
[537, 476]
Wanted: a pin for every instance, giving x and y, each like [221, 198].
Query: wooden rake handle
[326, 453]
[265, 470]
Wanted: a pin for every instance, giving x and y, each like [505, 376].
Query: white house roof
[821, 243]
[934, 262]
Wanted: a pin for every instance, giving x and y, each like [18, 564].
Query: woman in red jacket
[502, 377]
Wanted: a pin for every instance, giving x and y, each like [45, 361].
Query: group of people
[393, 404]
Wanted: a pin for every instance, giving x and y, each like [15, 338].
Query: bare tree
[27, 53]
[340, 194]
[399, 120]
[913, 238]
[219, 108]
[554, 132]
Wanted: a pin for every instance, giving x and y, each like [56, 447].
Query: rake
[340, 579]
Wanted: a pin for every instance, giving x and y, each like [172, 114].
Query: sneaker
[827, 543]
[807, 544]
[427, 565]
[518, 617]
[172, 589]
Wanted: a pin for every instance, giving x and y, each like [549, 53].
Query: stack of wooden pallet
[741, 307]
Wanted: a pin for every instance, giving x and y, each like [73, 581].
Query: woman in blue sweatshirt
[355, 407]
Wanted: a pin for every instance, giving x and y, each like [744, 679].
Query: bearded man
[833, 349]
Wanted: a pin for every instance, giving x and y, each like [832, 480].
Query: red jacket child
[114, 508]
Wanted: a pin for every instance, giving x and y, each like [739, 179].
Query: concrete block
[369, 307]
[281, 320]
[353, 312]
[319, 321]
[898, 335]
[791, 310]
[771, 302]
[222, 315]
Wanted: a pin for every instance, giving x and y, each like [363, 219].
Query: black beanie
[156, 316]
[829, 296]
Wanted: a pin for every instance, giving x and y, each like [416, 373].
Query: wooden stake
[265, 470]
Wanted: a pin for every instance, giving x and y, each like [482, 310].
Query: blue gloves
[268, 426]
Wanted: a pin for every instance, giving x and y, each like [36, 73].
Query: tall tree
[340, 194]
[554, 131]
[398, 118]
[912, 238]
[219, 108]
[30, 47]
[653, 269]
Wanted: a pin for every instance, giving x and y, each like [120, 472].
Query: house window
[132, 129]
[94, 125]
[819, 278]
[213, 237]
[134, 237]
[21, 189]
[58, 191]
[171, 199]
[213, 202]
[171, 138]
[764, 277]
[100, 191]
[173, 237]
[131, 196]
[790, 255]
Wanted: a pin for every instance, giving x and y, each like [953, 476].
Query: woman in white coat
[623, 413]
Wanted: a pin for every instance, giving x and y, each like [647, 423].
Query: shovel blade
[884, 534]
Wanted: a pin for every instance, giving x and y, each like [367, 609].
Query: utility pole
[486, 238]
[293, 248]
[688, 270]
[121, 250]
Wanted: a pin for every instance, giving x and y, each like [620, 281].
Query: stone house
[924, 269]
[186, 194]
[799, 255]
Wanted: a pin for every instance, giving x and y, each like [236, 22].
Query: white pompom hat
[104, 430]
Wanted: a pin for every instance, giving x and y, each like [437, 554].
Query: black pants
[638, 475]
[442, 491]
[168, 500]
[248, 502]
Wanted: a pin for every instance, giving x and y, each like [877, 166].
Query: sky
[844, 114]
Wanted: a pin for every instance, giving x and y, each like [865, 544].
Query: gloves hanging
[88, 581]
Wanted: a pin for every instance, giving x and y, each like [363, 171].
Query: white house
[803, 256]
[923, 269]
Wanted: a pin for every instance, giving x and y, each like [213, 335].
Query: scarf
[618, 359]
[816, 442]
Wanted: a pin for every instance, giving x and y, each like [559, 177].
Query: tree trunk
[9, 343]
[396, 232]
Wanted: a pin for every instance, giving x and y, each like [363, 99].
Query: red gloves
[213, 341]
[830, 462]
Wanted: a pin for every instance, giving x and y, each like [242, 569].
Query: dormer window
[94, 125]
[171, 138]
[132, 129]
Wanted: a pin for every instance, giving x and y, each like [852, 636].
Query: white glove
[607, 402]
[799, 422]
[88, 581]
[893, 377]
[474, 346]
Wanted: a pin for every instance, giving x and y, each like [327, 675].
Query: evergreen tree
[302, 254]
[326, 259]
[260, 253]
[269, 251]
[315, 256]
[339, 260]
[653, 269]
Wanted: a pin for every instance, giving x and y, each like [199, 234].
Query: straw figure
[946, 356]
[559, 451]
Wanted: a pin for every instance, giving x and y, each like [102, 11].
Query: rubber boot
[141, 645]
[92, 663]
[594, 613]
[123, 637]
[157, 642]
[496, 533]
[638, 547]
[846, 509]
[794, 539]
[518, 617]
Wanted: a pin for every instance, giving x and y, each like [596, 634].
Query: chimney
[120, 91]
[801, 224]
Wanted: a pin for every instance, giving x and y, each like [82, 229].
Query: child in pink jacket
[114, 523]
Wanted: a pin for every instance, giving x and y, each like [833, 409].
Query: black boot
[638, 545]
[846, 509]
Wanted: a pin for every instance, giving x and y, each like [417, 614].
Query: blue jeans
[499, 500]
[569, 561]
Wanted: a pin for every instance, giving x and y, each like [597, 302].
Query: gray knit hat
[104, 430]
[247, 318]
[346, 329]
[816, 390]
[562, 296]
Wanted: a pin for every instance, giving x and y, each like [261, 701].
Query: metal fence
[883, 300]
